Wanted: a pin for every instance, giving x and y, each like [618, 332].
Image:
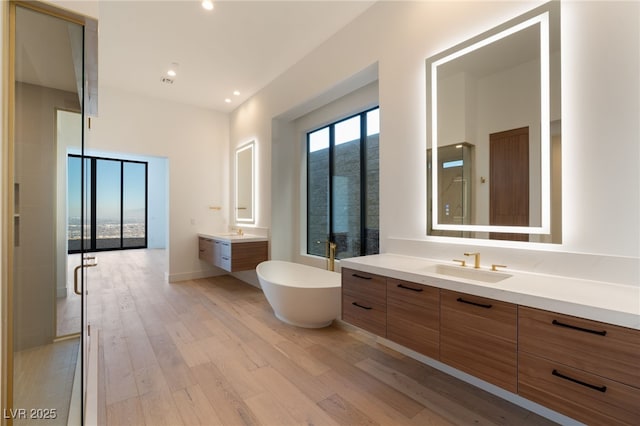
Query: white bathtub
[300, 295]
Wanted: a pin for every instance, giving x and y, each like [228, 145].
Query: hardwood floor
[68, 309]
[43, 379]
[211, 352]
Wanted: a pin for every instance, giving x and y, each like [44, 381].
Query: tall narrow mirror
[494, 115]
[245, 186]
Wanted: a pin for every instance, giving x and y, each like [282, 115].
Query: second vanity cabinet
[478, 336]
[232, 256]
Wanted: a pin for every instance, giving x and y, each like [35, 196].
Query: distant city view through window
[115, 215]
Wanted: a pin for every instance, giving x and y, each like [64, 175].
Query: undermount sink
[469, 273]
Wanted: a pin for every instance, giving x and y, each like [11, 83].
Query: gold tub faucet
[331, 259]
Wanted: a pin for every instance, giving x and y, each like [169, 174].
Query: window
[116, 208]
[342, 186]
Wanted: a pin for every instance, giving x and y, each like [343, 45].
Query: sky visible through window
[346, 131]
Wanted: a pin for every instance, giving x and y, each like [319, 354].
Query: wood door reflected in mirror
[504, 79]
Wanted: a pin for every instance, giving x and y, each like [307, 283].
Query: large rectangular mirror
[493, 135]
[245, 188]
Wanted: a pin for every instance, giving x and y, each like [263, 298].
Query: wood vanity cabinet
[413, 316]
[364, 300]
[232, 257]
[586, 369]
[479, 336]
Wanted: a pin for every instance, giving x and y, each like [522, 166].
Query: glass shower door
[46, 305]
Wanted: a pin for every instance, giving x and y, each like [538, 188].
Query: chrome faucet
[331, 258]
[476, 263]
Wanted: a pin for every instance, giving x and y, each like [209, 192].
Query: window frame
[363, 179]
[92, 186]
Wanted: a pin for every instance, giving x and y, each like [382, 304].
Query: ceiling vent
[167, 80]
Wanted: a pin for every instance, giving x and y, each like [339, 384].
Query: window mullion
[363, 183]
[332, 134]
[121, 204]
[94, 204]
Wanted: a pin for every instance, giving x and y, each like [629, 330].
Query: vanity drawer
[599, 348]
[205, 249]
[225, 248]
[583, 396]
[413, 316]
[364, 301]
[365, 284]
[478, 336]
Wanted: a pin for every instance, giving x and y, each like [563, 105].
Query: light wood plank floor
[43, 379]
[68, 308]
[211, 352]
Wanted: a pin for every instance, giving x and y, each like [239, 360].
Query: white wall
[601, 204]
[195, 142]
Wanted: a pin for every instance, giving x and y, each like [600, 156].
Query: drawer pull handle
[468, 302]
[580, 382]
[361, 277]
[368, 308]
[409, 288]
[575, 327]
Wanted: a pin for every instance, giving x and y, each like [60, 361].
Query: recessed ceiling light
[207, 4]
[173, 69]
[228, 100]
[235, 92]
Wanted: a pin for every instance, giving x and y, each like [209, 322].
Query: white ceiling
[240, 45]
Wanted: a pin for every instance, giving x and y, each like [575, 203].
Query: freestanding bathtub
[300, 295]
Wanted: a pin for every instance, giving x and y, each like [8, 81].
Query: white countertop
[233, 237]
[600, 301]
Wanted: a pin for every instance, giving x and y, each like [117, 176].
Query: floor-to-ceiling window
[118, 207]
[342, 186]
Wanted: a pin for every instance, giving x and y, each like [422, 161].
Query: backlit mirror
[245, 188]
[493, 135]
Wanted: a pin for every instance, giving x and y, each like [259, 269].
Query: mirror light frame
[539, 16]
[252, 217]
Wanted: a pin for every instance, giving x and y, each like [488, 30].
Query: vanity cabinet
[586, 369]
[232, 256]
[479, 336]
[364, 301]
[413, 316]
